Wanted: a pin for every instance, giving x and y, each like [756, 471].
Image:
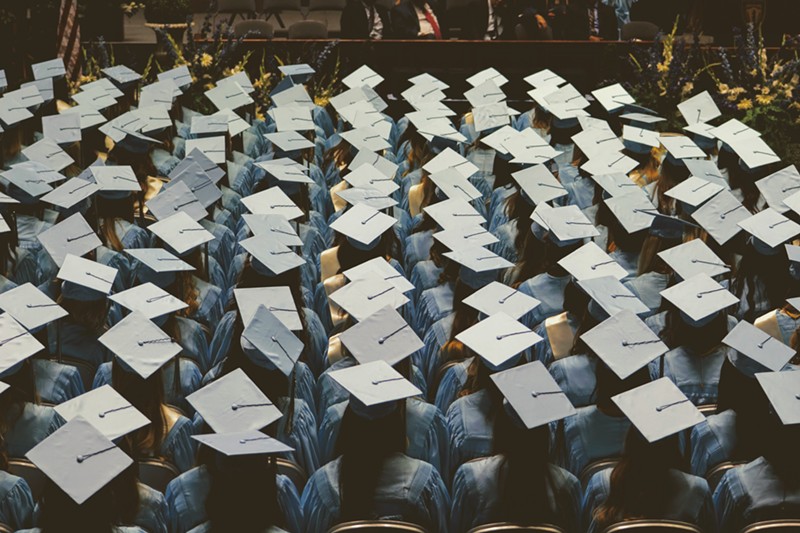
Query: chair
[157, 473]
[652, 526]
[776, 526]
[376, 526]
[714, 476]
[595, 467]
[640, 30]
[294, 472]
[5, 529]
[235, 7]
[257, 29]
[707, 409]
[328, 12]
[86, 370]
[277, 8]
[28, 471]
[308, 29]
[456, 15]
[505, 527]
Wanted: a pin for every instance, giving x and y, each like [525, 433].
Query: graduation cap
[721, 215]
[286, 171]
[211, 169]
[489, 74]
[624, 343]
[609, 296]
[85, 280]
[462, 237]
[79, 459]
[770, 227]
[453, 185]
[149, 300]
[613, 98]
[379, 268]
[692, 258]
[122, 74]
[289, 141]
[54, 68]
[212, 147]
[699, 108]
[362, 76]
[499, 298]
[159, 260]
[498, 340]
[680, 147]
[368, 176]
[105, 409]
[609, 162]
[568, 225]
[533, 394]
[228, 96]
[658, 409]
[382, 336]
[779, 186]
[13, 111]
[633, 211]
[30, 307]
[754, 152]
[48, 153]
[140, 344]
[276, 226]
[268, 343]
[209, 125]
[374, 388]
[699, 298]
[181, 233]
[281, 304]
[365, 138]
[174, 199]
[733, 130]
[379, 163]
[694, 191]
[241, 78]
[479, 266]
[180, 76]
[539, 184]
[295, 95]
[781, 390]
[544, 78]
[597, 142]
[292, 118]
[16, 345]
[270, 257]
[363, 226]
[589, 261]
[243, 443]
[449, 158]
[87, 116]
[71, 236]
[368, 196]
[762, 351]
[71, 193]
[640, 140]
[115, 179]
[299, 73]
[233, 403]
[272, 201]
[363, 297]
[199, 185]
[454, 213]
[62, 129]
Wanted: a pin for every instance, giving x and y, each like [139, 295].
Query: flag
[69, 37]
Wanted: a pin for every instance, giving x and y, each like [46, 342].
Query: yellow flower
[765, 99]
[765, 90]
[745, 104]
[723, 88]
[688, 87]
[662, 67]
[205, 60]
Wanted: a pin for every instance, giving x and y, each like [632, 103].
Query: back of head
[609, 384]
[58, 513]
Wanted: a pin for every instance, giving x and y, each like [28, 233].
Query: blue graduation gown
[16, 502]
[575, 375]
[697, 375]
[549, 290]
[55, 382]
[591, 435]
[35, 424]
[471, 426]
[713, 441]
[153, 514]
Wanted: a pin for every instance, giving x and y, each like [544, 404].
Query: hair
[364, 446]
[142, 165]
[340, 156]
[780, 443]
[349, 256]
[108, 212]
[464, 317]
[649, 261]
[701, 339]
[428, 191]
[8, 247]
[146, 395]
[671, 175]
[478, 379]
[609, 384]
[530, 260]
[501, 169]
[766, 278]
[648, 168]
[22, 390]
[747, 399]
[519, 211]
[91, 314]
[419, 152]
[640, 483]
[746, 182]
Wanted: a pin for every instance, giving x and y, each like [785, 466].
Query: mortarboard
[105, 409]
[149, 300]
[379, 268]
[375, 386]
[699, 298]
[180, 232]
[363, 297]
[71, 236]
[243, 443]
[699, 108]
[363, 225]
[589, 261]
[498, 339]
[30, 307]
[720, 216]
[272, 201]
[88, 274]
[271, 258]
[268, 343]
[533, 394]
[781, 390]
[499, 298]
[461, 237]
[140, 344]
[384, 335]
[692, 258]
[16, 344]
[762, 351]
[281, 304]
[212, 147]
[276, 226]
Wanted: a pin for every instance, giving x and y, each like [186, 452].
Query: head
[609, 385]
[146, 395]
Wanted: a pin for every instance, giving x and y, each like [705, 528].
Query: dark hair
[640, 482]
[700, 340]
[746, 398]
[90, 314]
[22, 390]
[464, 317]
[364, 446]
[146, 395]
[8, 244]
[609, 384]
[108, 212]
[780, 443]
[530, 260]
[349, 256]
[671, 175]
[763, 277]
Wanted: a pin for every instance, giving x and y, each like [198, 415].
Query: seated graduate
[373, 478]
[518, 484]
[767, 488]
[16, 500]
[650, 480]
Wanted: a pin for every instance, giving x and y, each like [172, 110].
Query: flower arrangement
[131, 8]
[95, 56]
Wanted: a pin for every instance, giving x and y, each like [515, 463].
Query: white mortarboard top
[16, 344]
[236, 124]
[289, 141]
[433, 108]
[198, 182]
[544, 78]
[597, 142]
[592, 123]
[382, 336]
[71, 193]
[122, 74]
[97, 98]
[176, 198]
[286, 170]
[720, 216]
[350, 97]
[142, 345]
[87, 274]
[29, 95]
[36, 170]
[368, 176]
[292, 118]
[180, 76]
[243, 443]
[362, 297]
[479, 259]
[272, 341]
[429, 79]
[755, 152]
[533, 394]
[368, 196]
[624, 343]
[363, 224]
[234, 403]
[150, 300]
[383, 165]
[612, 296]
[699, 108]
[48, 153]
[734, 130]
[770, 227]
[272, 254]
[362, 76]
[272, 201]
[682, 147]
[617, 184]
[778, 186]
[229, 96]
[782, 389]
[641, 136]
[160, 94]
[498, 298]
[211, 147]
[486, 93]
[62, 129]
[115, 178]
[498, 338]
[589, 261]
[461, 237]
[159, 260]
[375, 383]
[3, 80]
[71, 236]
[44, 88]
[497, 139]
[454, 185]
[295, 96]
[634, 211]
[104, 84]
[485, 75]
[692, 258]
[105, 409]
[209, 125]
[52, 68]
[609, 162]
[4, 227]
[490, 116]
[658, 409]
[379, 268]
[365, 138]
[539, 184]
[276, 226]
[13, 110]
[214, 172]
[240, 78]
[759, 346]
[181, 232]
[28, 180]
[702, 129]
[30, 307]
[699, 297]
[79, 459]
[449, 158]
[454, 213]
[568, 223]
[299, 73]
[693, 191]
[281, 304]
[613, 97]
